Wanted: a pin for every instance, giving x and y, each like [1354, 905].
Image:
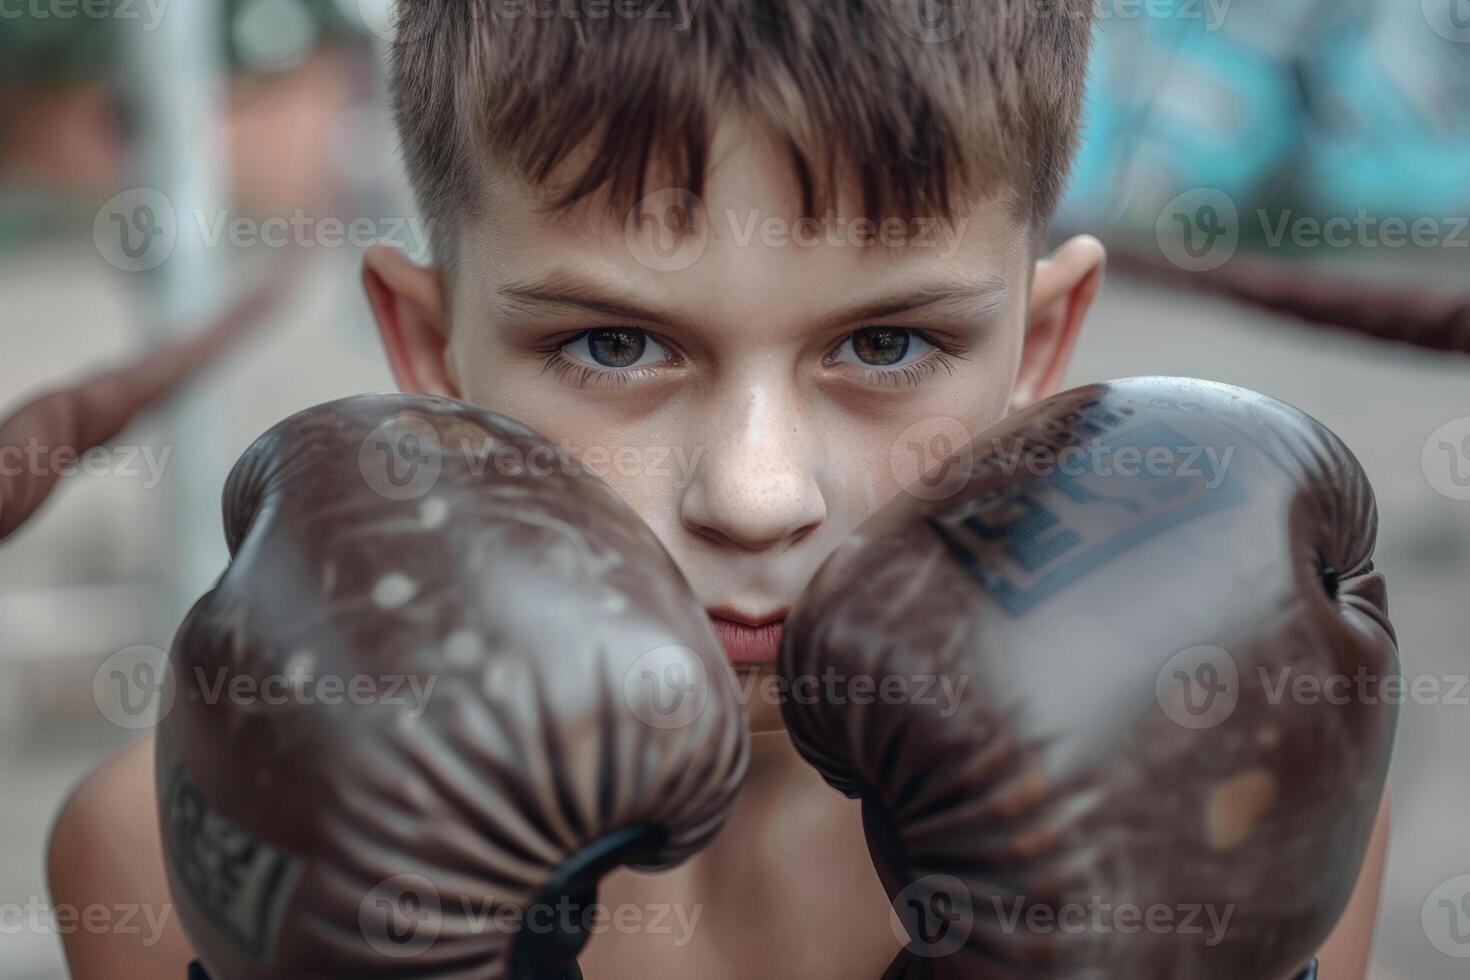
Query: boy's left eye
[882, 347]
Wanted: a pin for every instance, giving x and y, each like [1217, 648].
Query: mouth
[749, 639]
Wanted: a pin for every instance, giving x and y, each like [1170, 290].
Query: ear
[1062, 290]
[408, 303]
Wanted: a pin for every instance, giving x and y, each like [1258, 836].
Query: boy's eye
[616, 347]
[882, 347]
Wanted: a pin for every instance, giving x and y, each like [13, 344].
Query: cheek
[646, 467]
[639, 455]
[870, 459]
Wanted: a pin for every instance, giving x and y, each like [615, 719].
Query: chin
[755, 686]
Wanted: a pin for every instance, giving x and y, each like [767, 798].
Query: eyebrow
[573, 290]
[985, 296]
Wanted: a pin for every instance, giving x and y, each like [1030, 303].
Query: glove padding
[1129, 588]
[502, 612]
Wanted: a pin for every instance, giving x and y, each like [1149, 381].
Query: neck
[773, 757]
[782, 803]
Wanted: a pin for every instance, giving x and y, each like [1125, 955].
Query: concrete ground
[88, 578]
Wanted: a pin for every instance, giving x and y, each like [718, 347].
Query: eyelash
[562, 367]
[910, 375]
[578, 375]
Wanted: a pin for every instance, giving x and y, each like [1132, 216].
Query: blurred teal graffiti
[1325, 107]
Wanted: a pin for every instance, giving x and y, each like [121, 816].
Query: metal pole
[176, 77]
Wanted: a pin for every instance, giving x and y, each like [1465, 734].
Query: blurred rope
[88, 414]
[1399, 313]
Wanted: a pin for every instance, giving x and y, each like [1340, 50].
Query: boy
[755, 261]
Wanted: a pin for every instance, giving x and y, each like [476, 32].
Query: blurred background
[1284, 186]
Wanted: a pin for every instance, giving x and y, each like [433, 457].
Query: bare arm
[1345, 956]
[105, 853]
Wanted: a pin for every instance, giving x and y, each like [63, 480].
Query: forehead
[743, 244]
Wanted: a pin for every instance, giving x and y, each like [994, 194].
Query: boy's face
[755, 389]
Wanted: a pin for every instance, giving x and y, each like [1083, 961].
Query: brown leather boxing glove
[448, 680]
[1125, 706]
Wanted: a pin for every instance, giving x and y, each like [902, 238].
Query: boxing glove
[424, 708]
[1114, 686]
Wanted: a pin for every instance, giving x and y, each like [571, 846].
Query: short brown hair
[920, 112]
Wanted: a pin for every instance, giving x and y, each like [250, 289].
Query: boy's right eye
[616, 348]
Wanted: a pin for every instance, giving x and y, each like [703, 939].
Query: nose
[756, 487]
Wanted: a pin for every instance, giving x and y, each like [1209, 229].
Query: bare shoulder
[1348, 951]
[113, 807]
[105, 854]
